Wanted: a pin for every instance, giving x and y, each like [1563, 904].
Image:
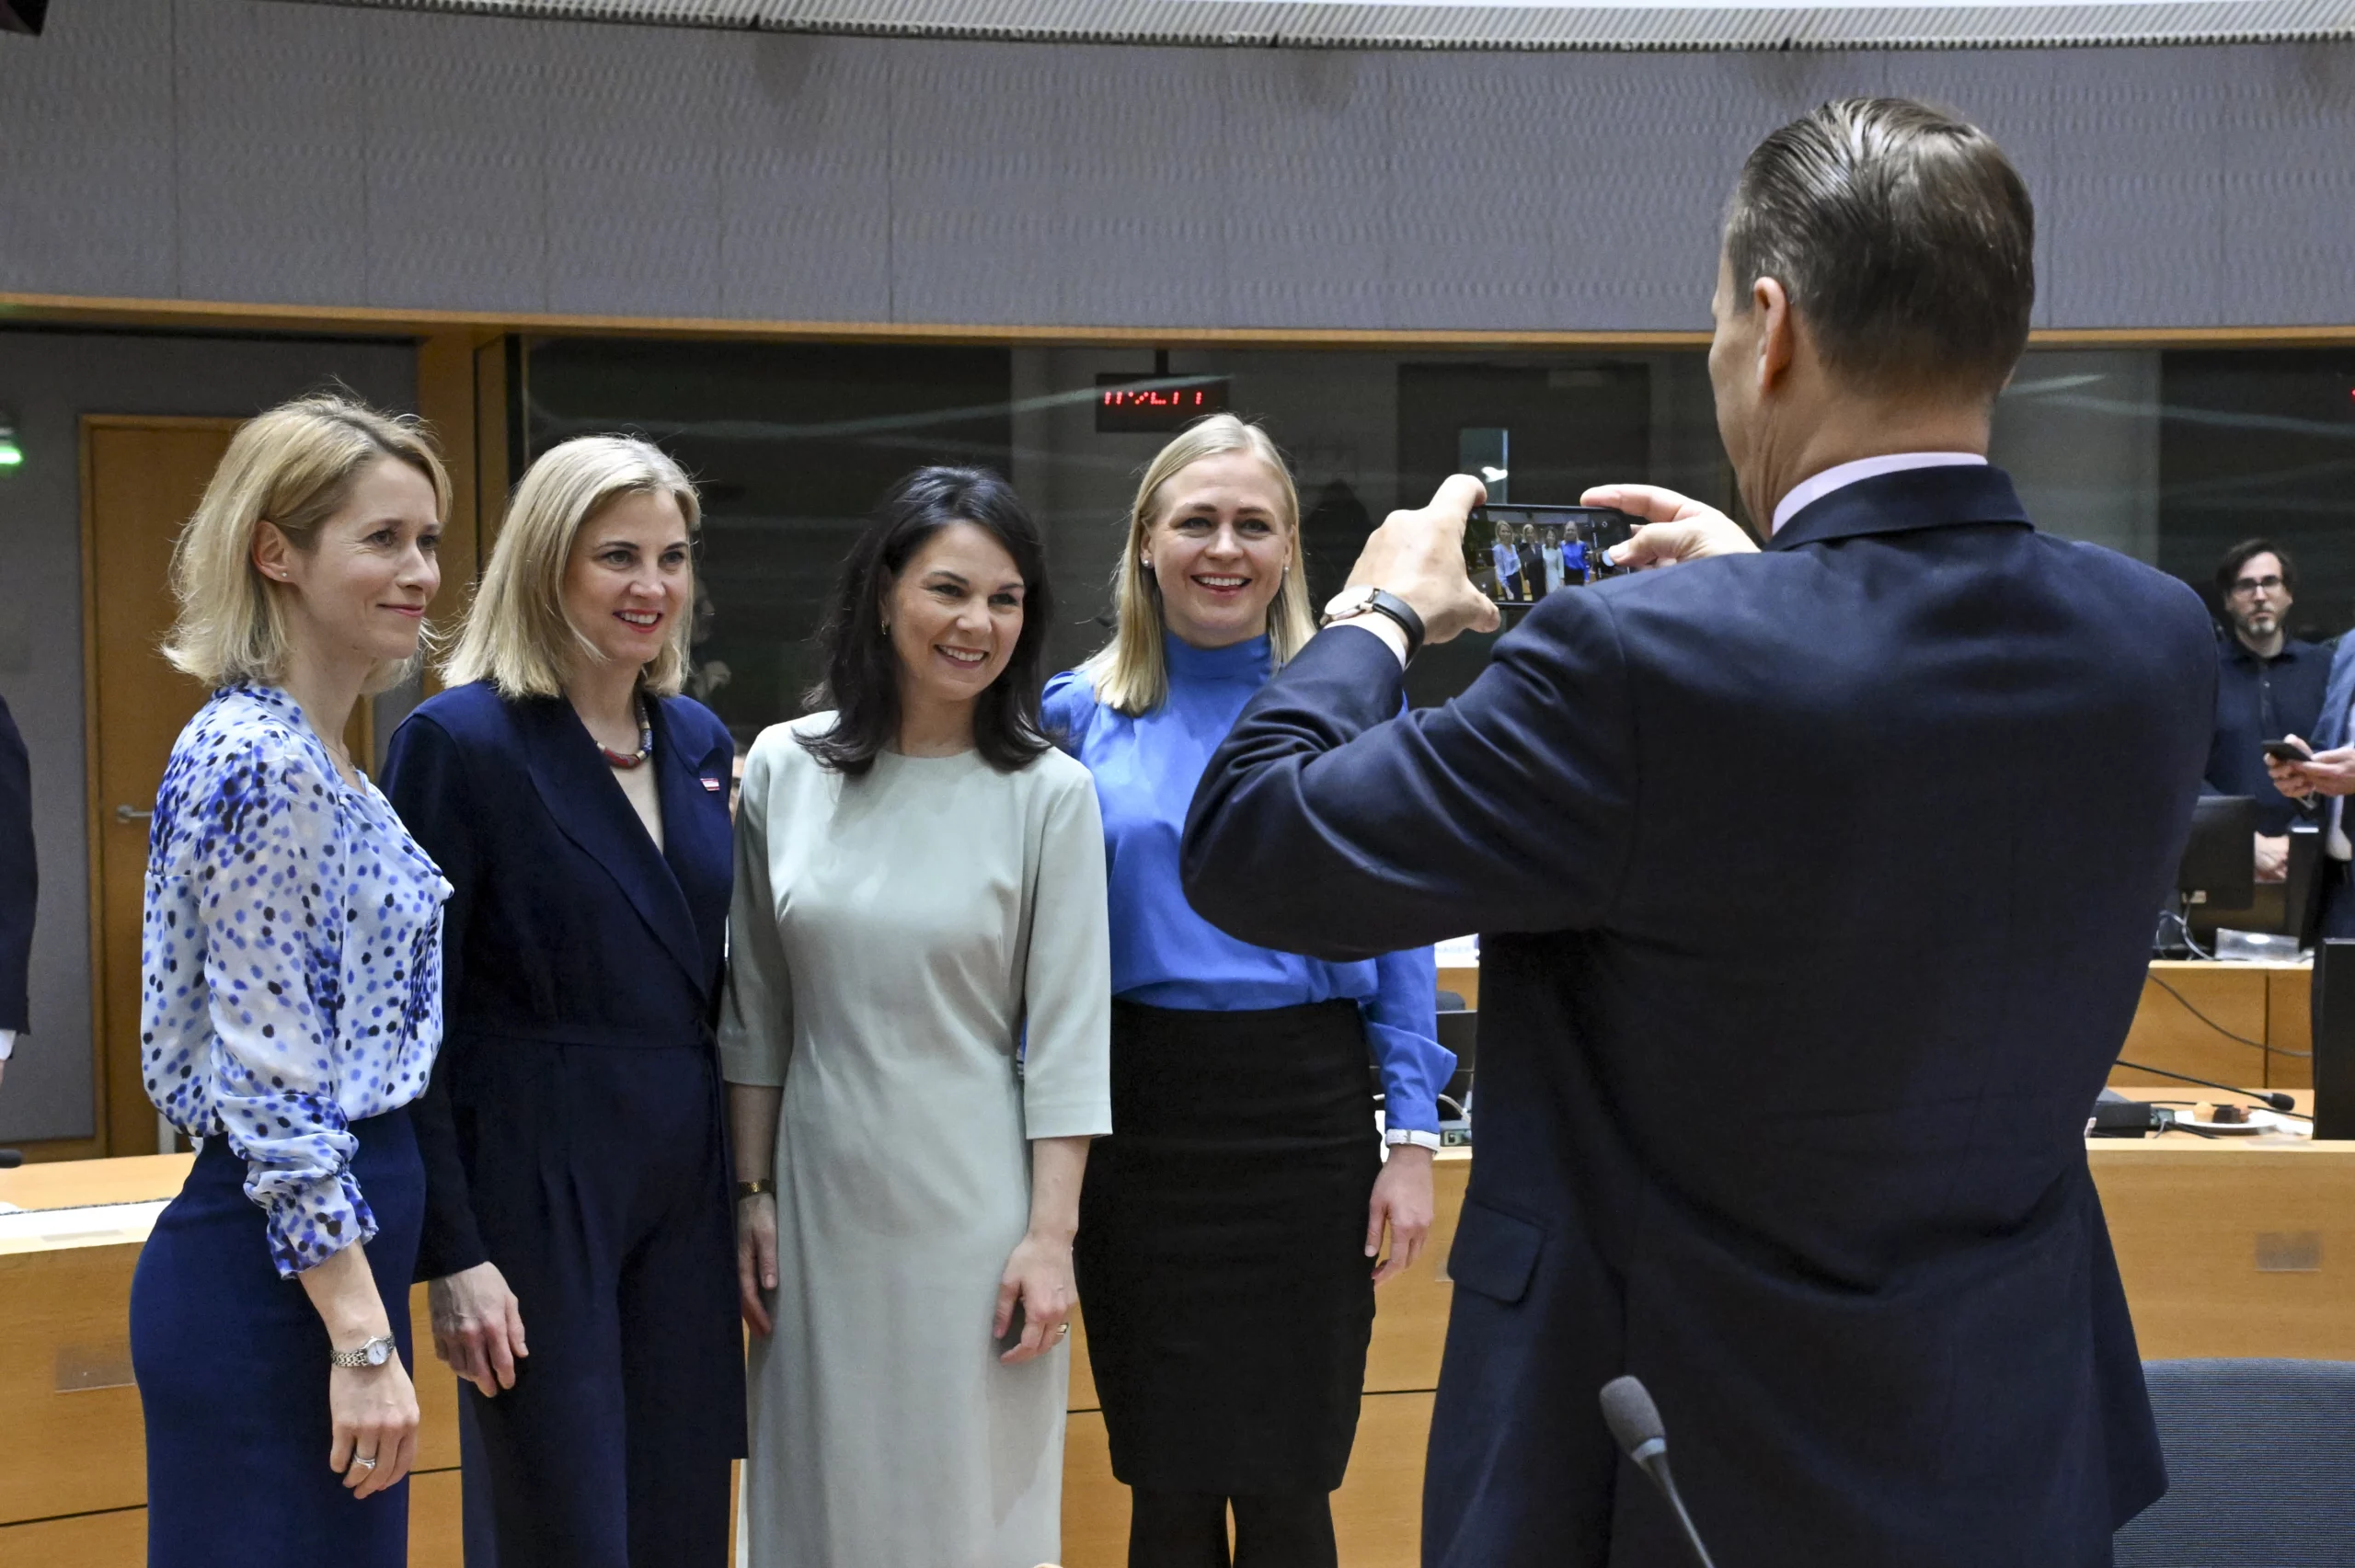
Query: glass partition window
[2167, 455]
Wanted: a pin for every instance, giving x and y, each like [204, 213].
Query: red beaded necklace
[645, 742]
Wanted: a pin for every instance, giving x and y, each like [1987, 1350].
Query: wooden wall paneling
[115, 1540]
[1410, 1311]
[446, 399]
[1378, 1513]
[2229, 1251]
[230, 315]
[2289, 1026]
[2166, 1033]
[66, 1318]
[494, 459]
[1096, 1507]
[436, 1523]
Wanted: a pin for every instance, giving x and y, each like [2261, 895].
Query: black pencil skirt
[1220, 1253]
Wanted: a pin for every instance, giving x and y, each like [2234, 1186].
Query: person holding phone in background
[2268, 685]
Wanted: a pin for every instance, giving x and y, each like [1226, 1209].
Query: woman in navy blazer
[577, 1171]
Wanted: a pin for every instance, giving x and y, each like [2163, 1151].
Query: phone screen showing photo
[1517, 555]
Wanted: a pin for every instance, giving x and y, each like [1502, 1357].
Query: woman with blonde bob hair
[577, 1170]
[1228, 1230]
[291, 1007]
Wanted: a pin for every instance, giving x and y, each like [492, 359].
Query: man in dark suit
[1814, 888]
[19, 882]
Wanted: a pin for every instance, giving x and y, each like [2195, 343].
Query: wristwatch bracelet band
[754, 1189]
[370, 1353]
[1381, 601]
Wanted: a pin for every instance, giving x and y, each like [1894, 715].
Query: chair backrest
[2260, 1466]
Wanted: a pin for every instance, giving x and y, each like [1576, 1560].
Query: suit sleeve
[1328, 824]
[426, 780]
[756, 1007]
[20, 877]
[1067, 974]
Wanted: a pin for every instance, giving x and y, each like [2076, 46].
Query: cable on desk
[2244, 1039]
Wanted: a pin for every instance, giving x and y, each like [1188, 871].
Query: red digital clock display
[1156, 404]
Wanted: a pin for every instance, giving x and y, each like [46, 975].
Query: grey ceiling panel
[395, 159]
[1311, 203]
[86, 154]
[457, 168]
[270, 152]
[1345, 24]
[633, 174]
[977, 203]
[2135, 205]
[1516, 206]
[805, 180]
[2010, 95]
[1147, 186]
[2289, 185]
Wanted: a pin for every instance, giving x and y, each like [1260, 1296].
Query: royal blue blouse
[289, 964]
[1164, 955]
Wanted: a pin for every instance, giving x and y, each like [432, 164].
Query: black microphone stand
[2272, 1098]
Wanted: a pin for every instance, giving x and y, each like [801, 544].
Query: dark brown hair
[862, 680]
[2228, 570]
[1905, 238]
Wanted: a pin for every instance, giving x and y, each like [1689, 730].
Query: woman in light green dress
[915, 1041]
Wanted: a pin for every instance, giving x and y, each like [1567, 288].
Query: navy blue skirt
[232, 1363]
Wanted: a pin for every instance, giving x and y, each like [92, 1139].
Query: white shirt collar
[1816, 486]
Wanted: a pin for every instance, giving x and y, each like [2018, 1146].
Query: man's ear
[1777, 332]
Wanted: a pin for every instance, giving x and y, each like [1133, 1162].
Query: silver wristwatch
[375, 1353]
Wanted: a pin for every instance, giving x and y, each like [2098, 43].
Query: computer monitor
[2219, 866]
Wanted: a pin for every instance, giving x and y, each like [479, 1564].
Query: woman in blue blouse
[1229, 1227]
[291, 1007]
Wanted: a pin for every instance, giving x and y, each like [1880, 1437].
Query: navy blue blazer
[566, 925]
[20, 876]
[1815, 892]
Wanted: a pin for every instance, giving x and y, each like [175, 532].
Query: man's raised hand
[1418, 555]
[1675, 527]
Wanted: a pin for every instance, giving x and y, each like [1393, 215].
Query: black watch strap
[1384, 603]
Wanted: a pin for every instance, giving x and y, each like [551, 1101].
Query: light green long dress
[920, 958]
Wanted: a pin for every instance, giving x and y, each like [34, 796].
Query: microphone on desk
[1634, 1422]
[2274, 1098]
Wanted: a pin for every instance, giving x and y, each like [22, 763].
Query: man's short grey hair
[1905, 238]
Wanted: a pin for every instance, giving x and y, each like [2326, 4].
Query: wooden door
[141, 479]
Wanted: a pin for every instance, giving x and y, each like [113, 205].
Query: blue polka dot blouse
[290, 965]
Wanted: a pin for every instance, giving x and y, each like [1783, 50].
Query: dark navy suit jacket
[20, 876]
[566, 925]
[1815, 891]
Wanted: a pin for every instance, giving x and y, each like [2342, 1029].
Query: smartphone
[1517, 555]
[2287, 751]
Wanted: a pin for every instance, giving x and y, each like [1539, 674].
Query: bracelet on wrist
[754, 1189]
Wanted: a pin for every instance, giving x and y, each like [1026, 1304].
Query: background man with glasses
[2269, 684]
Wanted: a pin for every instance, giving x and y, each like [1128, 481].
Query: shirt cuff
[1421, 1140]
[1393, 635]
[7, 1043]
[308, 1222]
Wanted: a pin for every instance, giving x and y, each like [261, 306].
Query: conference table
[2229, 1246]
